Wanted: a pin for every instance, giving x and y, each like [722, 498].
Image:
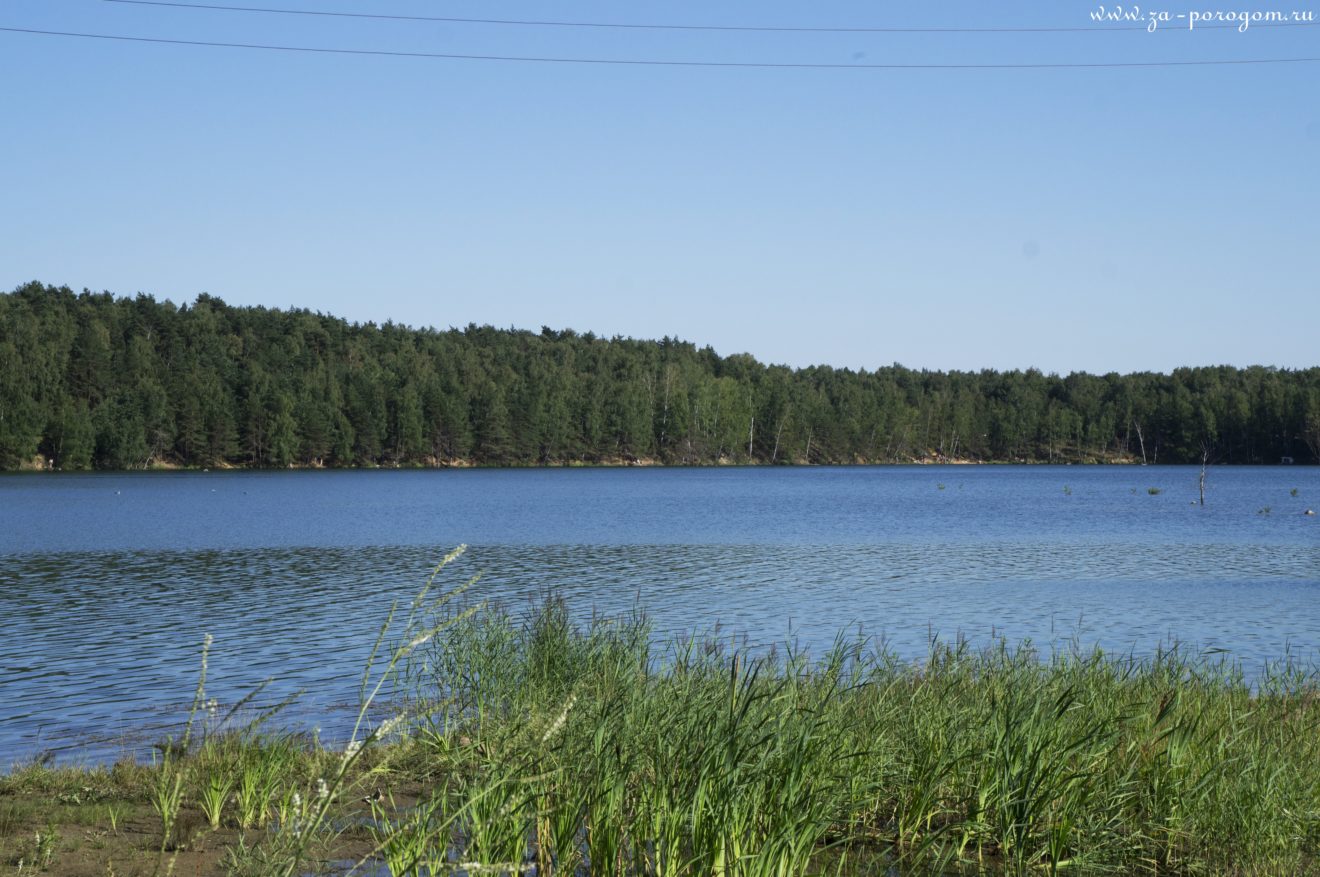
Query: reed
[592, 749]
[700, 758]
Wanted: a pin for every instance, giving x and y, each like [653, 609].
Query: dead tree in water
[1205, 461]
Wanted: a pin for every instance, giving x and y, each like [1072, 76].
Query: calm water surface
[108, 582]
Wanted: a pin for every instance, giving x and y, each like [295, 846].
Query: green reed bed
[521, 742]
[594, 749]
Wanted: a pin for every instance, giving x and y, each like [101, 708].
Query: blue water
[108, 582]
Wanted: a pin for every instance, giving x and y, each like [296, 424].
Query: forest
[94, 381]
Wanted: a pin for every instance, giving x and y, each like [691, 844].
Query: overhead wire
[650, 62]
[634, 62]
[1099, 28]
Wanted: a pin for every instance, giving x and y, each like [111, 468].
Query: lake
[108, 582]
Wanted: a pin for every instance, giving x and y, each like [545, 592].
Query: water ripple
[100, 633]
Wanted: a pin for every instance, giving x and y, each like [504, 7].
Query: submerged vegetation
[91, 381]
[521, 742]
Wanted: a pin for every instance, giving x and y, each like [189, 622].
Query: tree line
[94, 381]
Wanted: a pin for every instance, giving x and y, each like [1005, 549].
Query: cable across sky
[653, 62]
[950, 202]
[673, 27]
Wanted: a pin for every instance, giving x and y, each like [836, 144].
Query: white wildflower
[388, 726]
[558, 723]
[353, 748]
[322, 789]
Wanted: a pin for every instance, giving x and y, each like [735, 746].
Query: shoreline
[621, 463]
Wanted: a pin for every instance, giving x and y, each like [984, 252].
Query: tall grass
[591, 748]
[532, 742]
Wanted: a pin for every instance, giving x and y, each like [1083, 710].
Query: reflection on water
[100, 638]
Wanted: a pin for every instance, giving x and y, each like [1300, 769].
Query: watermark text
[1240, 20]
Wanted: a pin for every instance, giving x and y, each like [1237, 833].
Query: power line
[680, 27]
[638, 62]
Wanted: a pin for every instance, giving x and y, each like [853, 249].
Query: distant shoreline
[91, 381]
[642, 463]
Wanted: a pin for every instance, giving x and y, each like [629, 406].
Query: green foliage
[88, 380]
[694, 760]
[167, 800]
[45, 843]
[216, 783]
[114, 814]
[595, 747]
[12, 815]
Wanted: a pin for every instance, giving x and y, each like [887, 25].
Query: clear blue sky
[1067, 219]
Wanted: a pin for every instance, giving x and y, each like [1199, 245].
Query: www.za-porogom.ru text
[1242, 20]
